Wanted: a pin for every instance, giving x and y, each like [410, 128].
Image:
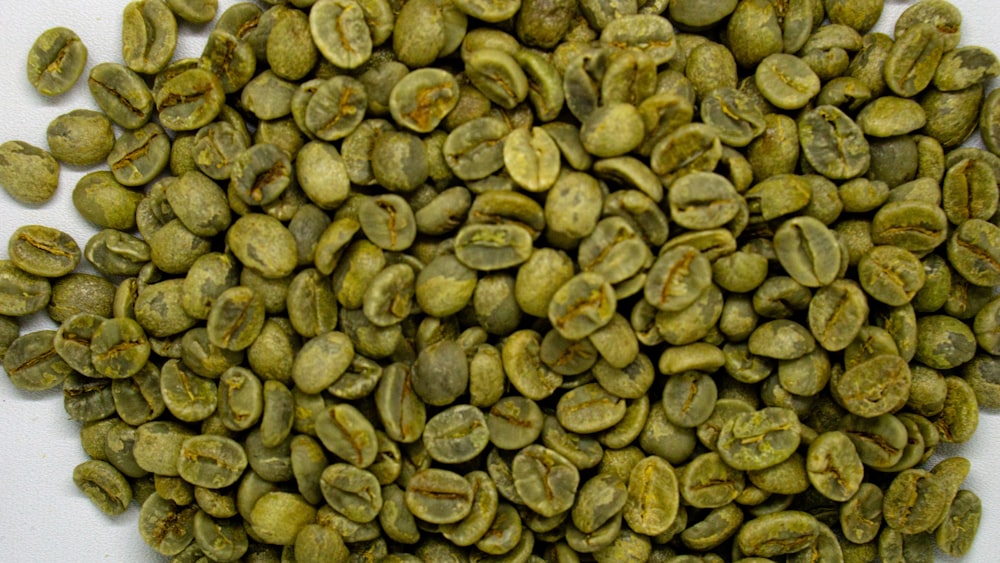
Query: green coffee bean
[81, 137]
[211, 461]
[27, 173]
[32, 363]
[149, 36]
[121, 94]
[56, 61]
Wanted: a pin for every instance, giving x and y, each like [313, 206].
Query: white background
[43, 517]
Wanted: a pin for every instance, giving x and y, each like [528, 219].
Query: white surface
[43, 517]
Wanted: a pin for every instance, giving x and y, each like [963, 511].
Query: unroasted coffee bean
[277, 517]
[43, 251]
[81, 137]
[56, 61]
[808, 251]
[877, 386]
[581, 306]
[260, 174]
[833, 144]
[236, 318]
[833, 466]
[589, 408]
[119, 348]
[439, 496]
[213, 462]
[653, 497]
[336, 25]
[188, 396]
[105, 485]
[27, 173]
[388, 221]
[514, 422]
[760, 439]
[165, 526]
[972, 251]
[786, 81]
[345, 432]
[139, 155]
[778, 533]
[121, 94]
[336, 108]
[190, 100]
[149, 36]
[262, 243]
[891, 275]
[32, 363]
[913, 59]
[954, 535]
[423, 98]
[914, 501]
[457, 434]
[545, 480]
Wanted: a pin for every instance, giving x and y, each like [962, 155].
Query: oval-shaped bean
[210, 461]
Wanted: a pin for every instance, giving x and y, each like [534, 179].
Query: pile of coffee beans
[520, 280]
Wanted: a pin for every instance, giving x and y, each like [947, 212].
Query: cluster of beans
[521, 280]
